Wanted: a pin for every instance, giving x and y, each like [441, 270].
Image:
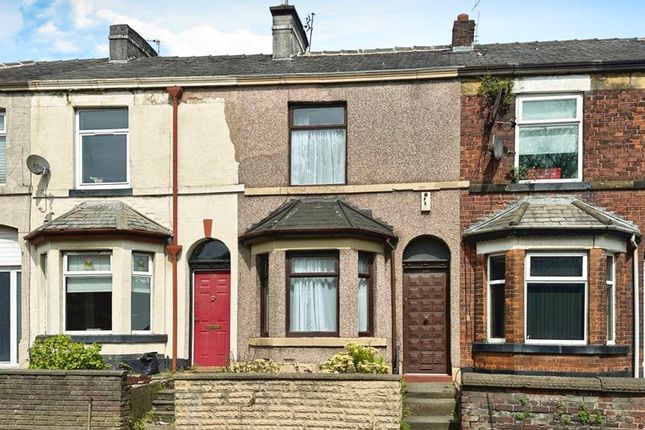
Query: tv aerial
[38, 165]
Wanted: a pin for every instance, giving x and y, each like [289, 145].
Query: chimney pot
[289, 36]
[126, 44]
[463, 33]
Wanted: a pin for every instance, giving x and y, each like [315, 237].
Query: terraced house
[279, 206]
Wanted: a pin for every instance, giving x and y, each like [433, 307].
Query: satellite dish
[37, 165]
[498, 148]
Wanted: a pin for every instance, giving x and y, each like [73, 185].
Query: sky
[67, 29]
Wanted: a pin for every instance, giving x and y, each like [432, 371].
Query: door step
[432, 405]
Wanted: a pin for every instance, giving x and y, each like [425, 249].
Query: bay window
[318, 144]
[611, 299]
[102, 148]
[140, 303]
[496, 297]
[88, 291]
[365, 294]
[549, 138]
[3, 148]
[556, 298]
[312, 295]
[262, 264]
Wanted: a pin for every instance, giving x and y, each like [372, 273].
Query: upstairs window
[88, 291]
[3, 149]
[556, 298]
[549, 138]
[103, 148]
[318, 144]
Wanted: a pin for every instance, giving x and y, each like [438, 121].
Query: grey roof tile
[103, 216]
[551, 213]
[318, 216]
[592, 51]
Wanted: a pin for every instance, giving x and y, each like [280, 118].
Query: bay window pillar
[514, 300]
[597, 297]
[121, 269]
[55, 293]
[277, 294]
[348, 293]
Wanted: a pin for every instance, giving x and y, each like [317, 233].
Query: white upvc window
[611, 299]
[496, 298]
[141, 293]
[3, 148]
[88, 292]
[548, 138]
[102, 148]
[555, 298]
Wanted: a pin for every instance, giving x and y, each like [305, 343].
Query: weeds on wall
[61, 352]
[492, 87]
[258, 365]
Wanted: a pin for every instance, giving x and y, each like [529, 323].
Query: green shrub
[256, 366]
[356, 359]
[60, 352]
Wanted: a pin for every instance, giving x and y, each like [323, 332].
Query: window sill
[520, 348]
[525, 187]
[109, 192]
[316, 342]
[115, 338]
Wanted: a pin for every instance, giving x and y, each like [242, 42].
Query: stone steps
[163, 410]
[432, 405]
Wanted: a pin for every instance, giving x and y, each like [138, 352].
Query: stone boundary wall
[287, 401]
[490, 401]
[59, 399]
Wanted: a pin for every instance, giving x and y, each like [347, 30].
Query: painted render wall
[208, 188]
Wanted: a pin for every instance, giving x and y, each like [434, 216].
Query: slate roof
[101, 216]
[318, 217]
[592, 52]
[549, 214]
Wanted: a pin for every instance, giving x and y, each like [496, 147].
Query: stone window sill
[315, 342]
[112, 192]
[520, 348]
[116, 338]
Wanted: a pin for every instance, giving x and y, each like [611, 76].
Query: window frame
[611, 286]
[149, 274]
[369, 275]
[583, 279]
[66, 274]
[15, 291]
[313, 254]
[3, 133]
[314, 105]
[101, 132]
[520, 123]
[262, 268]
[490, 282]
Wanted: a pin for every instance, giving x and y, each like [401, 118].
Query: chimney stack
[289, 37]
[463, 33]
[126, 44]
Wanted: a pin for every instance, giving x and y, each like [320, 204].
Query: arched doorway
[426, 306]
[210, 265]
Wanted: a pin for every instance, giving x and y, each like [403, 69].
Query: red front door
[212, 318]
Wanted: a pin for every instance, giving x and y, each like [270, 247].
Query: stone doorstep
[429, 407]
[431, 390]
[432, 423]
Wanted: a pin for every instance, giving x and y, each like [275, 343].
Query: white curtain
[555, 139]
[313, 299]
[318, 156]
[362, 304]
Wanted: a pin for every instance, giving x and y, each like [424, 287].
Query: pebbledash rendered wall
[287, 401]
[58, 399]
[494, 401]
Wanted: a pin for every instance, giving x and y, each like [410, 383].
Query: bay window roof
[545, 214]
[318, 218]
[100, 217]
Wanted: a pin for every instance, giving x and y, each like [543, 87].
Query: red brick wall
[613, 138]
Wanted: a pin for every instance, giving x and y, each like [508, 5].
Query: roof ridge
[342, 209]
[373, 218]
[591, 211]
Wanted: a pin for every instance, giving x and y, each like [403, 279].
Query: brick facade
[287, 401]
[46, 399]
[511, 402]
[613, 171]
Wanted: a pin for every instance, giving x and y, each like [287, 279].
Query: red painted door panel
[212, 318]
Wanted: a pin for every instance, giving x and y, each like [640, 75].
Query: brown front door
[425, 321]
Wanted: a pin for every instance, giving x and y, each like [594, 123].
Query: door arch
[426, 306]
[210, 264]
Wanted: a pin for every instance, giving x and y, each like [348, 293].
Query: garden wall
[491, 401]
[287, 401]
[47, 399]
